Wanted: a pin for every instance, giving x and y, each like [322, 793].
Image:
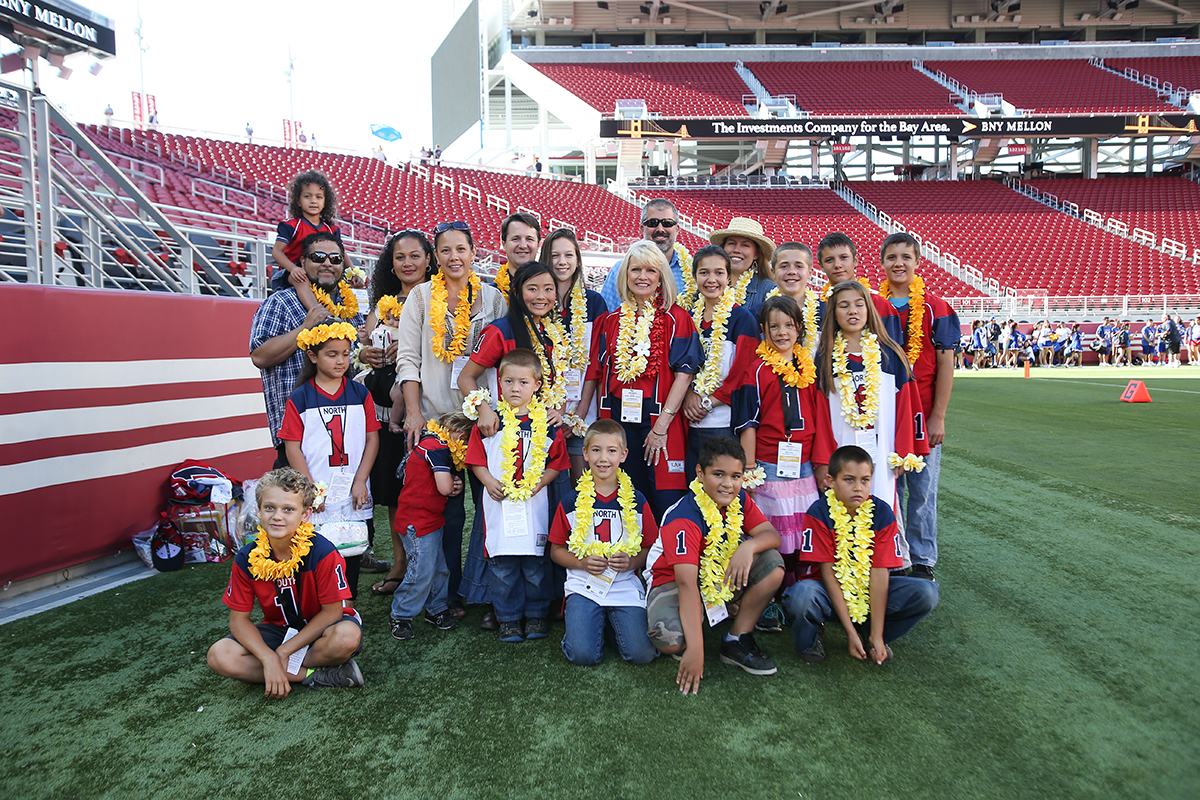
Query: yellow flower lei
[265, 568]
[388, 304]
[855, 544]
[308, 339]
[458, 447]
[578, 543]
[539, 445]
[714, 349]
[722, 540]
[690, 291]
[355, 272]
[503, 280]
[349, 306]
[474, 400]
[739, 290]
[577, 349]
[916, 316]
[633, 341]
[796, 378]
[554, 383]
[841, 377]
[462, 316]
[910, 462]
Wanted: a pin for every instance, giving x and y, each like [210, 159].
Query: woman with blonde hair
[643, 357]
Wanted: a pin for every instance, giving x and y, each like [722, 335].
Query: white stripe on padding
[31, 475]
[36, 425]
[54, 375]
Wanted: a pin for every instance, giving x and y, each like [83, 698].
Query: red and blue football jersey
[681, 537]
[320, 579]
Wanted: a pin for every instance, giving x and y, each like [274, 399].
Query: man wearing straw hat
[750, 254]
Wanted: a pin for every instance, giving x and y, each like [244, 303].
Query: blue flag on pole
[386, 132]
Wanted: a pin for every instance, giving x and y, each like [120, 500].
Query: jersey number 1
[337, 442]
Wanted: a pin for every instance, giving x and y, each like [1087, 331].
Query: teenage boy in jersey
[675, 608]
[299, 583]
[933, 371]
[895, 603]
[838, 258]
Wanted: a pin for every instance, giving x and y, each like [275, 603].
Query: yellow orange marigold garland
[388, 304]
[845, 381]
[539, 445]
[349, 305]
[795, 377]
[457, 447]
[438, 304]
[631, 541]
[723, 538]
[914, 336]
[855, 544]
[308, 339]
[503, 280]
[828, 286]
[265, 568]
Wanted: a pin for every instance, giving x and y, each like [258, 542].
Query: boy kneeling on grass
[299, 580]
[852, 536]
[714, 546]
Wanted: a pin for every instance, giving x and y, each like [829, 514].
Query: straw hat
[747, 229]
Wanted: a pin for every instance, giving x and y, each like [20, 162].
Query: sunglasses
[442, 227]
[320, 258]
[654, 223]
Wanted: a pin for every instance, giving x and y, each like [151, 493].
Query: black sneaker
[511, 632]
[922, 571]
[402, 629]
[346, 676]
[772, 619]
[744, 653]
[536, 628]
[816, 653]
[443, 621]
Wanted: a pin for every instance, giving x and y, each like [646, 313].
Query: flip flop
[376, 588]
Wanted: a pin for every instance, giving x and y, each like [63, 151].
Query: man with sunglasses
[281, 317]
[660, 224]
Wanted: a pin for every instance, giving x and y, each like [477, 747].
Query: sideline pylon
[1136, 392]
[1026, 369]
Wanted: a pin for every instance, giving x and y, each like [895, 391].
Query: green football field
[1061, 662]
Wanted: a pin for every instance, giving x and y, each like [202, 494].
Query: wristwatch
[706, 402]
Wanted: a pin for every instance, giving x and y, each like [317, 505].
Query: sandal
[379, 590]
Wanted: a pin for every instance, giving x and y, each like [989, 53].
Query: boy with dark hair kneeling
[714, 546]
[852, 535]
[299, 580]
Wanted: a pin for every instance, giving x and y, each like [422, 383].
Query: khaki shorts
[662, 604]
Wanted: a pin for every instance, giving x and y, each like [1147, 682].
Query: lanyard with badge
[791, 454]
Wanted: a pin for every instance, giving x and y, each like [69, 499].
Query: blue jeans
[920, 508]
[426, 585]
[587, 624]
[808, 604]
[518, 587]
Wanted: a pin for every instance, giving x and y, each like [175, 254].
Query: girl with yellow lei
[782, 419]
[872, 396]
[644, 357]
[601, 534]
[728, 336]
[579, 307]
[532, 323]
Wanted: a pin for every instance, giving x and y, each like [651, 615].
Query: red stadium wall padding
[102, 393]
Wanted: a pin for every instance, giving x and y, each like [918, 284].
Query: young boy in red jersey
[601, 533]
[930, 339]
[855, 587]
[299, 581]
[694, 570]
[432, 475]
[515, 466]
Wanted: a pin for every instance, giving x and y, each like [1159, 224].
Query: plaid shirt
[280, 313]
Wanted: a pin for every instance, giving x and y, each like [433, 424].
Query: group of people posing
[710, 435]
